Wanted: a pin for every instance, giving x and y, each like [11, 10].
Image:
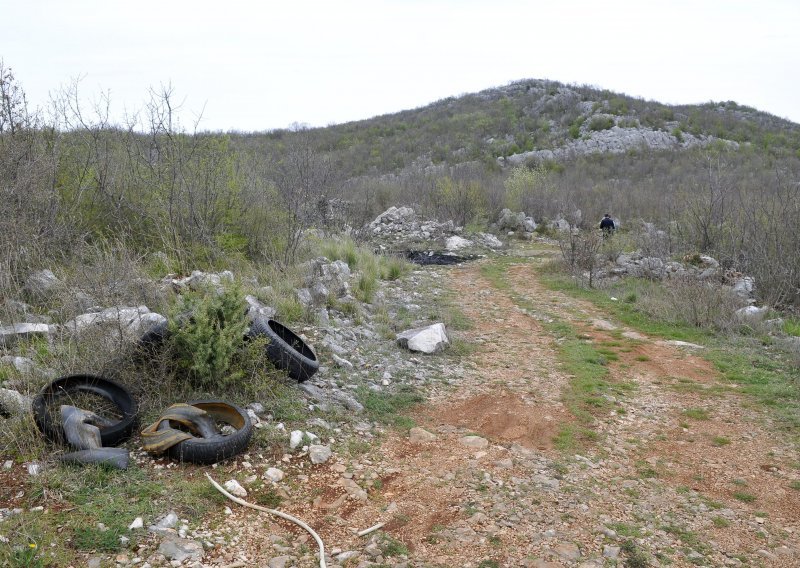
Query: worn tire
[62, 388]
[285, 349]
[212, 450]
[152, 340]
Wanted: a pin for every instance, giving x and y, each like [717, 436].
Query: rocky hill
[542, 120]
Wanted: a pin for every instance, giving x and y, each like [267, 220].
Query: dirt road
[683, 470]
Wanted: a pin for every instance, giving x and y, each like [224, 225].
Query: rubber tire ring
[112, 391]
[285, 349]
[206, 451]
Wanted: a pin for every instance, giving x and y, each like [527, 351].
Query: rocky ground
[684, 471]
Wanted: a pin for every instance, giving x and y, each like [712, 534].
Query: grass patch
[719, 441]
[635, 557]
[744, 497]
[721, 522]
[626, 530]
[387, 407]
[795, 485]
[91, 507]
[697, 413]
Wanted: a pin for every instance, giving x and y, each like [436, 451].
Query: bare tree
[306, 184]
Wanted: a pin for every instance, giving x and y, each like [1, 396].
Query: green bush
[601, 123]
[207, 330]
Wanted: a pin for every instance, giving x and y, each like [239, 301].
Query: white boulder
[430, 339]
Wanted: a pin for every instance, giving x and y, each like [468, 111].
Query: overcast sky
[264, 65]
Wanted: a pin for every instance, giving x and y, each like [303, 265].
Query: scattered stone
[751, 315]
[234, 488]
[610, 551]
[341, 362]
[430, 339]
[137, 523]
[319, 454]
[567, 551]
[279, 561]
[13, 403]
[168, 522]
[21, 364]
[10, 335]
[274, 474]
[457, 243]
[255, 307]
[119, 323]
[604, 325]
[41, 285]
[181, 549]
[474, 442]
[420, 435]
[678, 343]
[34, 468]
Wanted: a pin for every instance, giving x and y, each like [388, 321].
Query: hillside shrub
[208, 328]
[601, 123]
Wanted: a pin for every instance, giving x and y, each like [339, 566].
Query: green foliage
[635, 557]
[601, 123]
[525, 186]
[697, 413]
[744, 497]
[207, 330]
[386, 407]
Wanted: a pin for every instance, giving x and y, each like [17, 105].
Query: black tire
[61, 389]
[152, 340]
[212, 450]
[285, 349]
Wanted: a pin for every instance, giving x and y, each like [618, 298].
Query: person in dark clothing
[607, 225]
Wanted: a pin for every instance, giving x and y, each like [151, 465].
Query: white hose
[296, 521]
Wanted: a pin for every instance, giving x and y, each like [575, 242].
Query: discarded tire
[218, 447]
[64, 390]
[152, 340]
[285, 349]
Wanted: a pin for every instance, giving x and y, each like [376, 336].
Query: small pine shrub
[207, 330]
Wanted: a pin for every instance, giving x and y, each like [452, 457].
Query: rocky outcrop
[615, 140]
[119, 323]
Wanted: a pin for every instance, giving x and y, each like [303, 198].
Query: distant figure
[607, 225]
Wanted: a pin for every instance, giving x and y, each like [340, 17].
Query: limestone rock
[456, 243]
[234, 488]
[420, 435]
[319, 454]
[180, 549]
[13, 403]
[41, 285]
[510, 221]
[430, 339]
[21, 364]
[751, 314]
[255, 307]
[474, 442]
[9, 335]
[119, 323]
[274, 474]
